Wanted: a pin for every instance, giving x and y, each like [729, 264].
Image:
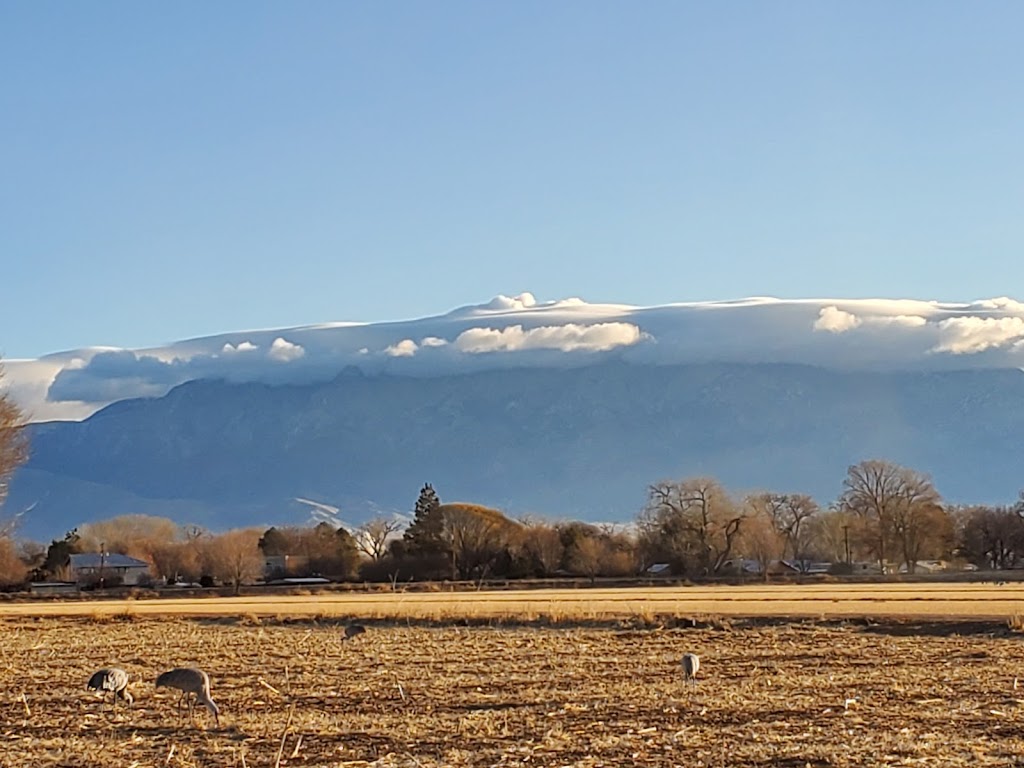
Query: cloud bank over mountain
[519, 331]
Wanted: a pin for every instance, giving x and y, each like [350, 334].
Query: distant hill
[578, 442]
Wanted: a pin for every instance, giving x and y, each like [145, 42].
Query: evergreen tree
[425, 535]
[58, 555]
[274, 542]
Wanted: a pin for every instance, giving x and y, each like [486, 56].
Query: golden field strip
[931, 601]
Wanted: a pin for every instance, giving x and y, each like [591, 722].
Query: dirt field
[790, 694]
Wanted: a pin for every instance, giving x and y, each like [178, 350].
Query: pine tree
[425, 535]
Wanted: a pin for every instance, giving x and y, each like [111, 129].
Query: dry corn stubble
[293, 694]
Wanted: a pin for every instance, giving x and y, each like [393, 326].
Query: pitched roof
[112, 560]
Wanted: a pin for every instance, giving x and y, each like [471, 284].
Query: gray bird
[691, 664]
[352, 630]
[114, 680]
[194, 685]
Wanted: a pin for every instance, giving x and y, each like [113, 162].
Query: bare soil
[293, 693]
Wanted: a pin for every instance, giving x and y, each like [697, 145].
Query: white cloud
[243, 346]
[970, 335]
[502, 303]
[404, 348]
[433, 341]
[835, 320]
[283, 351]
[567, 338]
[903, 321]
[1004, 303]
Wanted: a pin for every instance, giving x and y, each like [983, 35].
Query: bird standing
[352, 630]
[691, 664]
[111, 679]
[194, 685]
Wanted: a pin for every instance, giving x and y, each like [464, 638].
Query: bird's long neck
[205, 700]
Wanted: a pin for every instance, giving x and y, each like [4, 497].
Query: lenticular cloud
[521, 331]
[566, 338]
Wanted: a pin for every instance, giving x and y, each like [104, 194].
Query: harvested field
[293, 694]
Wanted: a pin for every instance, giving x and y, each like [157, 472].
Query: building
[659, 569]
[284, 566]
[114, 569]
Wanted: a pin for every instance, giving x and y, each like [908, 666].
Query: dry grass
[294, 694]
[935, 601]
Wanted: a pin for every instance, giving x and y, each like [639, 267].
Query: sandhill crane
[112, 679]
[352, 630]
[190, 681]
[691, 663]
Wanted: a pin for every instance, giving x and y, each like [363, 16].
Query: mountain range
[561, 409]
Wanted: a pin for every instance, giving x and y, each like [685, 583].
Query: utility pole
[846, 540]
[103, 557]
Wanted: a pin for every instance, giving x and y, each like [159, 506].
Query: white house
[92, 566]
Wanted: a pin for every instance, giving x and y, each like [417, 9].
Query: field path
[923, 601]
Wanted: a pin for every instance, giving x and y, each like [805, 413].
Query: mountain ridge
[580, 442]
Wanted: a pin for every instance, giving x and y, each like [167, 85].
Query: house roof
[112, 560]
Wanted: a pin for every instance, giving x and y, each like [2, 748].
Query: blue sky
[180, 169]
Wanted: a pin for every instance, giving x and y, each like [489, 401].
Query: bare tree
[13, 440]
[762, 540]
[374, 536]
[177, 561]
[992, 537]
[234, 557]
[543, 545]
[13, 571]
[693, 523]
[135, 535]
[789, 514]
[585, 557]
[830, 534]
[476, 537]
[897, 503]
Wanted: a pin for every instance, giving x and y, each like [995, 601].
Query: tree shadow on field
[944, 628]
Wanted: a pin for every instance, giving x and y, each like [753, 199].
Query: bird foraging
[194, 685]
[113, 679]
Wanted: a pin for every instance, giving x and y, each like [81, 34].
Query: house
[739, 566]
[927, 566]
[285, 566]
[807, 567]
[93, 567]
[659, 569]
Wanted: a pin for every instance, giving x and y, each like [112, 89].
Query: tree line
[886, 514]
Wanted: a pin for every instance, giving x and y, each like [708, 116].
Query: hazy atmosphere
[195, 169]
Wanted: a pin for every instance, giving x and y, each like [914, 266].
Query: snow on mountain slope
[520, 331]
